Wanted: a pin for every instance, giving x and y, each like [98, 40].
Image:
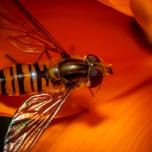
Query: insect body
[27, 78]
[51, 84]
[24, 78]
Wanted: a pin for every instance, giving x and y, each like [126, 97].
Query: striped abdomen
[24, 78]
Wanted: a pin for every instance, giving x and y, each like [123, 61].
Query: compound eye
[95, 76]
[93, 59]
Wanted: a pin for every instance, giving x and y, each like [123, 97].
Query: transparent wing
[31, 120]
[24, 31]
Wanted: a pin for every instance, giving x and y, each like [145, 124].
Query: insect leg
[12, 59]
[44, 52]
[47, 54]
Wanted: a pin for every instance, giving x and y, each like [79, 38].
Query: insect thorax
[69, 71]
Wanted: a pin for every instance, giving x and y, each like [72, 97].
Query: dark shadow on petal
[140, 36]
[91, 118]
[4, 123]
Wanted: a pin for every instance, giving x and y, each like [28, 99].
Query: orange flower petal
[142, 13]
[119, 117]
[139, 9]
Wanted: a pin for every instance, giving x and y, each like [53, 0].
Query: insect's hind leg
[12, 59]
[45, 51]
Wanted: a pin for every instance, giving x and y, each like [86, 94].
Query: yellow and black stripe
[24, 78]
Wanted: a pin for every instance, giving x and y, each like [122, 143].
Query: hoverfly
[52, 84]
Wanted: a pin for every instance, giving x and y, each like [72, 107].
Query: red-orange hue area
[139, 9]
[119, 116]
[122, 6]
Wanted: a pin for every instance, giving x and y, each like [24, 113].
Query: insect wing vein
[24, 31]
[28, 124]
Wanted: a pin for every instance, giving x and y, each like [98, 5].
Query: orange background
[119, 116]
